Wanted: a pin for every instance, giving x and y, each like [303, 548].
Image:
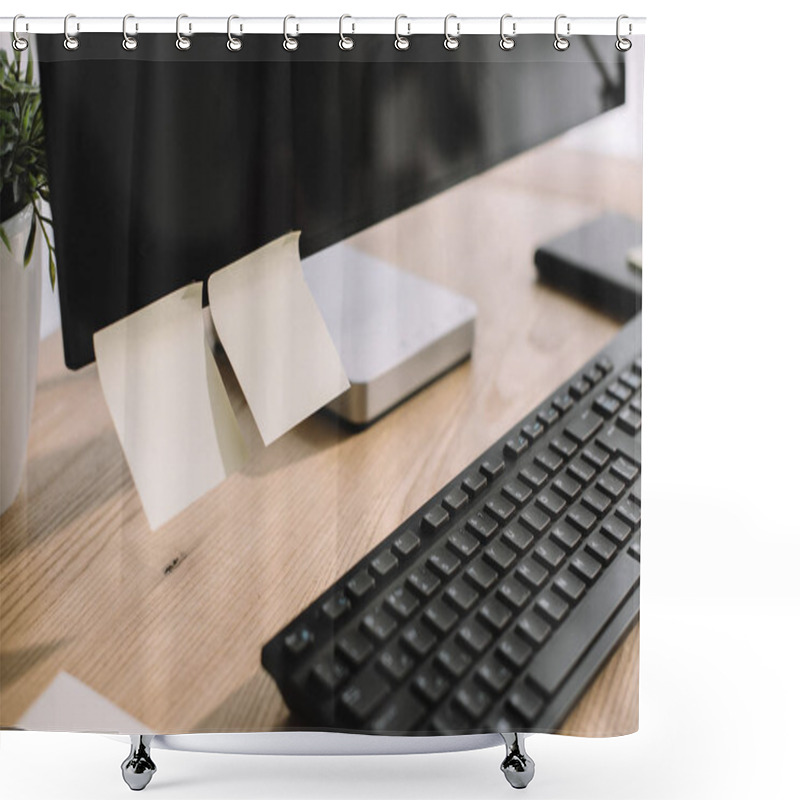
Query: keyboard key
[533, 628]
[455, 500]
[299, 641]
[617, 442]
[565, 536]
[406, 543]
[605, 365]
[384, 563]
[402, 602]
[482, 525]
[584, 426]
[630, 421]
[532, 573]
[360, 585]
[611, 486]
[431, 684]
[535, 520]
[435, 519]
[636, 404]
[619, 391]
[328, 674]
[461, 595]
[354, 647]
[481, 575]
[636, 549]
[513, 593]
[532, 430]
[516, 446]
[363, 696]
[548, 416]
[549, 554]
[453, 659]
[629, 513]
[423, 582]
[473, 700]
[418, 639]
[567, 487]
[569, 586]
[450, 720]
[474, 636]
[514, 651]
[402, 713]
[594, 456]
[519, 538]
[473, 483]
[499, 556]
[551, 503]
[379, 625]
[441, 616]
[517, 492]
[593, 375]
[526, 704]
[585, 567]
[551, 607]
[492, 467]
[596, 502]
[500, 508]
[563, 402]
[616, 530]
[444, 562]
[534, 476]
[552, 664]
[335, 606]
[549, 461]
[636, 493]
[637, 365]
[631, 379]
[624, 470]
[581, 471]
[494, 614]
[462, 542]
[581, 518]
[395, 662]
[579, 388]
[494, 675]
[563, 446]
[606, 406]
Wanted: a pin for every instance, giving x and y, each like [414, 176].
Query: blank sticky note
[275, 337]
[169, 405]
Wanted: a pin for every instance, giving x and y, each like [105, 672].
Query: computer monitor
[166, 165]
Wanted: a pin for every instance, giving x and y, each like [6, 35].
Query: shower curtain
[341, 429]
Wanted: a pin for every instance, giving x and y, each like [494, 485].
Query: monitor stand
[394, 331]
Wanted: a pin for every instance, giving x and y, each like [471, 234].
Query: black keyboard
[495, 604]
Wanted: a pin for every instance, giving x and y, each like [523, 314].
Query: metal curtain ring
[182, 42]
[70, 42]
[129, 42]
[19, 44]
[401, 42]
[289, 42]
[507, 42]
[622, 44]
[346, 42]
[234, 42]
[560, 43]
[451, 42]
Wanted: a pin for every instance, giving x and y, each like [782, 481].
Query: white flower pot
[20, 309]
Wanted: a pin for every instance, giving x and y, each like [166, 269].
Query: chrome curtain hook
[560, 43]
[234, 42]
[346, 42]
[451, 42]
[182, 42]
[401, 42]
[70, 42]
[289, 42]
[129, 42]
[18, 43]
[507, 42]
[622, 44]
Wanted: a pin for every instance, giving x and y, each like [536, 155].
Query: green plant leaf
[29, 244]
[52, 266]
[5, 239]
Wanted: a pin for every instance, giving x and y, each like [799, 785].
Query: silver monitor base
[394, 331]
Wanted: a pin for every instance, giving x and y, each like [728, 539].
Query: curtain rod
[405, 26]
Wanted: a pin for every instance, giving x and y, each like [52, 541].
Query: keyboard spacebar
[572, 639]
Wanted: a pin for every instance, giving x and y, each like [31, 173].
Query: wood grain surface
[169, 624]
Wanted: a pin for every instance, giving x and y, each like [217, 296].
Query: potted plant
[23, 184]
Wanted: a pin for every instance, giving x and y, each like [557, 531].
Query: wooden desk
[169, 624]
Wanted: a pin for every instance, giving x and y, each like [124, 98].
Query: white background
[720, 600]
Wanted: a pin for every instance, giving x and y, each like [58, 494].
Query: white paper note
[275, 337]
[169, 405]
[68, 704]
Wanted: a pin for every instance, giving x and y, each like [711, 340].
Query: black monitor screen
[165, 165]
